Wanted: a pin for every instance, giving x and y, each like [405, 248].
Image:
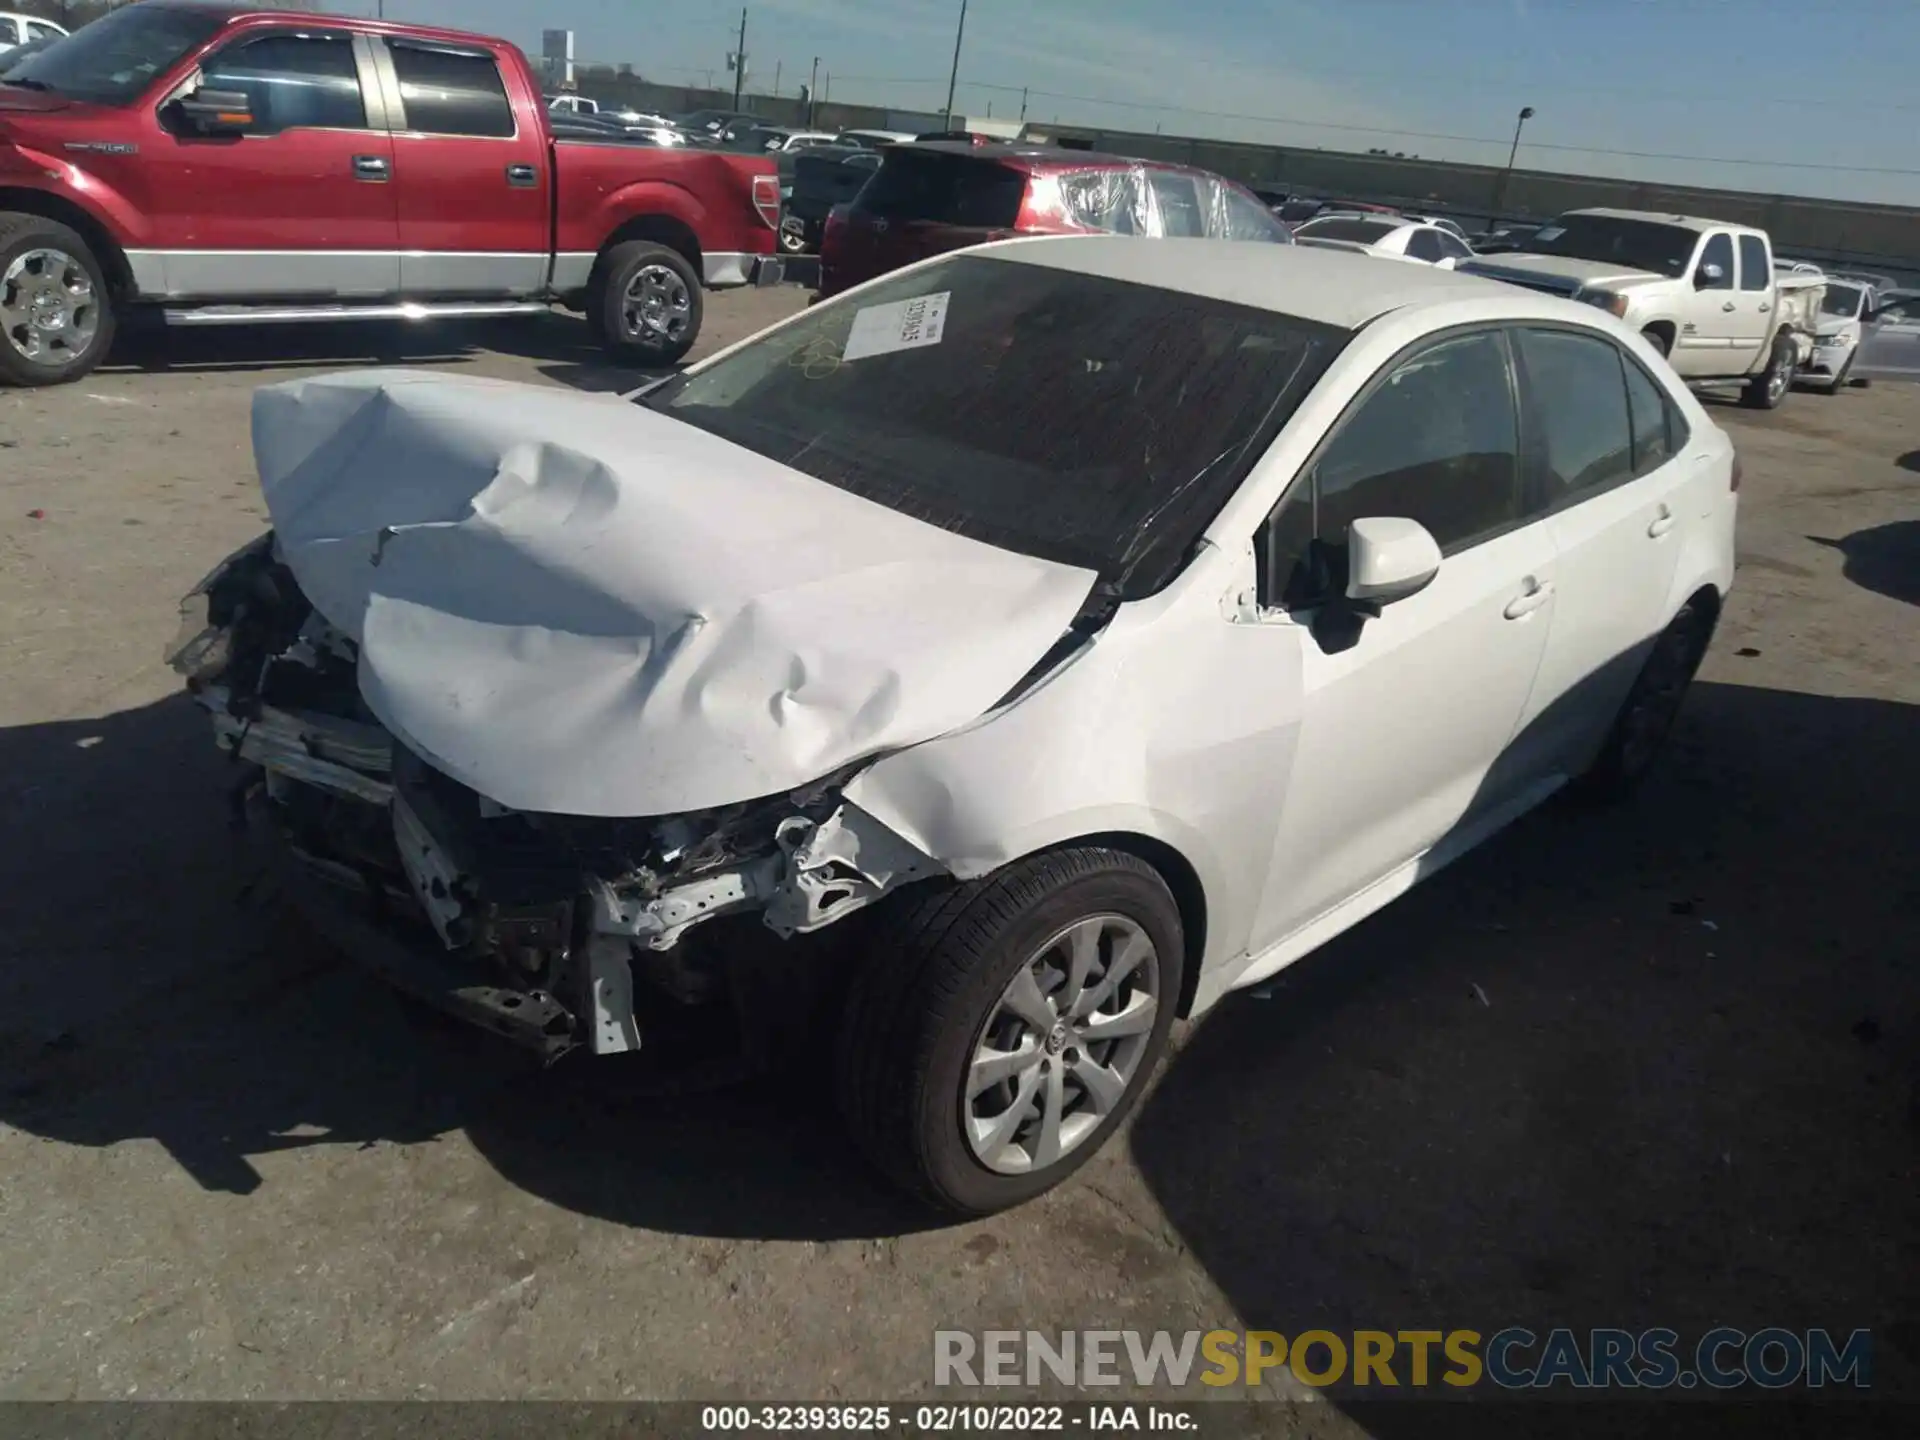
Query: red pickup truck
[227, 166]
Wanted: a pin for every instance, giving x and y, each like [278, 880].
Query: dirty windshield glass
[1630, 244]
[113, 60]
[1841, 300]
[1076, 418]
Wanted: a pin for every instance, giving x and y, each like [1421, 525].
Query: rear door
[472, 172]
[1754, 318]
[926, 202]
[300, 206]
[1605, 465]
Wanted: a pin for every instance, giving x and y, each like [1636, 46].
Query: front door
[475, 185]
[301, 206]
[1403, 726]
[1605, 442]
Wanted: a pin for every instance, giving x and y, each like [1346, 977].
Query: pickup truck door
[1708, 326]
[300, 206]
[1756, 304]
[473, 172]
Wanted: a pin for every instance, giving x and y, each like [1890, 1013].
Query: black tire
[61, 361]
[619, 327]
[933, 981]
[1646, 716]
[1659, 341]
[1766, 390]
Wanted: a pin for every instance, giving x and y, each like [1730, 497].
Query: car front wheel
[1001, 1030]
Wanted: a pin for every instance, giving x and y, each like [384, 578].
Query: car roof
[1691, 222]
[1331, 287]
[231, 11]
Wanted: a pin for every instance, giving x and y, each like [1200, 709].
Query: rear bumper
[728, 269]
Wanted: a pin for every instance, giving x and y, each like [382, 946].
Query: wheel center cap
[1057, 1038]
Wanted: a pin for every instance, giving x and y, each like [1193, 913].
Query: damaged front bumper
[556, 932]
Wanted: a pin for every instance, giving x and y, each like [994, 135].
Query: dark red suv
[935, 196]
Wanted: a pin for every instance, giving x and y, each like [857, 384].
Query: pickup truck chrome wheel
[1778, 379]
[1062, 1045]
[658, 305]
[48, 311]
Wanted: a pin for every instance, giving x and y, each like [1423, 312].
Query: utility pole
[1023, 104]
[953, 78]
[776, 78]
[740, 59]
[813, 89]
[1506, 175]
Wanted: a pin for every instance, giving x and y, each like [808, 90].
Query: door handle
[522, 177]
[1529, 600]
[1765, 308]
[1728, 307]
[371, 167]
[1662, 523]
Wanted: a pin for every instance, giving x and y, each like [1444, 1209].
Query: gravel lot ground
[1655, 1067]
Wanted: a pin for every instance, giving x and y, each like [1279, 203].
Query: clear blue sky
[1814, 82]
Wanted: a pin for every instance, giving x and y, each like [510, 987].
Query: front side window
[1718, 253]
[1077, 418]
[1577, 409]
[292, 81]
[1756, 270]
[451, 92]
[1436, 441]
[114, 60]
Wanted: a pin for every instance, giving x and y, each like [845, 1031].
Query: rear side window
[1577, 409]
[1247, 219]
[1107, 200]
[1425, 245]
[945, 189]
[451, 92]
[1659, 429]
[1756, 270]
[292, 81]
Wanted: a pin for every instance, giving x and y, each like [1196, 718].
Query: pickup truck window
[1756, 270]
[292, 81]
[1633, 244]
[114, 60]
[1577, 405]
[451, 92]
[1718, 251]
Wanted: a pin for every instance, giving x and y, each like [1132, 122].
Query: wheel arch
[662, 229]
[83, 222]
[1188, 894]
[1665, 329]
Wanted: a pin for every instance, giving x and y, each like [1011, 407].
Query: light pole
[953, 78]
[1506, 175]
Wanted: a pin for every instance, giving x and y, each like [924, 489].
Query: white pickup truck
[1703, 292]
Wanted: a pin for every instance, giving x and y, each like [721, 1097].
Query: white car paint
[1716, 326]
[17, 29]
[1890, 345]
[1391, 237]
[1840, 328]
[541, 544]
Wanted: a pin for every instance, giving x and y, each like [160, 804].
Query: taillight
[1735, 485]
[766, 199]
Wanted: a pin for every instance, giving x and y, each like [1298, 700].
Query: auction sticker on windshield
[902, 325]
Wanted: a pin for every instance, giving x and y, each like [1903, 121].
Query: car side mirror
[1708, 275]
[1389, 558]
[217, 112]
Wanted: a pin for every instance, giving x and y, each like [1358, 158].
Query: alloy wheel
[48, 310]
[657, 305]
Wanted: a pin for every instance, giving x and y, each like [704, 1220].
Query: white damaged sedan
[1054, 637]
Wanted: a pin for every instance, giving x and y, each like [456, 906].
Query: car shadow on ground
[1884, 559]
[561, 344]
[1653, 1065]
[1910, 461]
[157, 990]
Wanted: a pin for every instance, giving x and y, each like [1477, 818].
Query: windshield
[1071, 417]
[1842, 300]
[113, 60]
[1630, 244]
[1348, 227]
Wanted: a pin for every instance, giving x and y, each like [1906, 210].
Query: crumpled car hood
[573, 604]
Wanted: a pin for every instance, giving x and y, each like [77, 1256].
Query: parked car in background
[821, 179]
[1391, 237]
[1501, 239]
[1296, 211]
[1844, 312]
[1703, 292]
[1115, 623]
[876, 138]
[1890, 343]
[17, 30]
[781, 139]
[1441, 222]
[946, 195]
[712, 124]
[228, 167]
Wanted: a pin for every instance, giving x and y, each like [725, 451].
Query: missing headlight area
[551, 929]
